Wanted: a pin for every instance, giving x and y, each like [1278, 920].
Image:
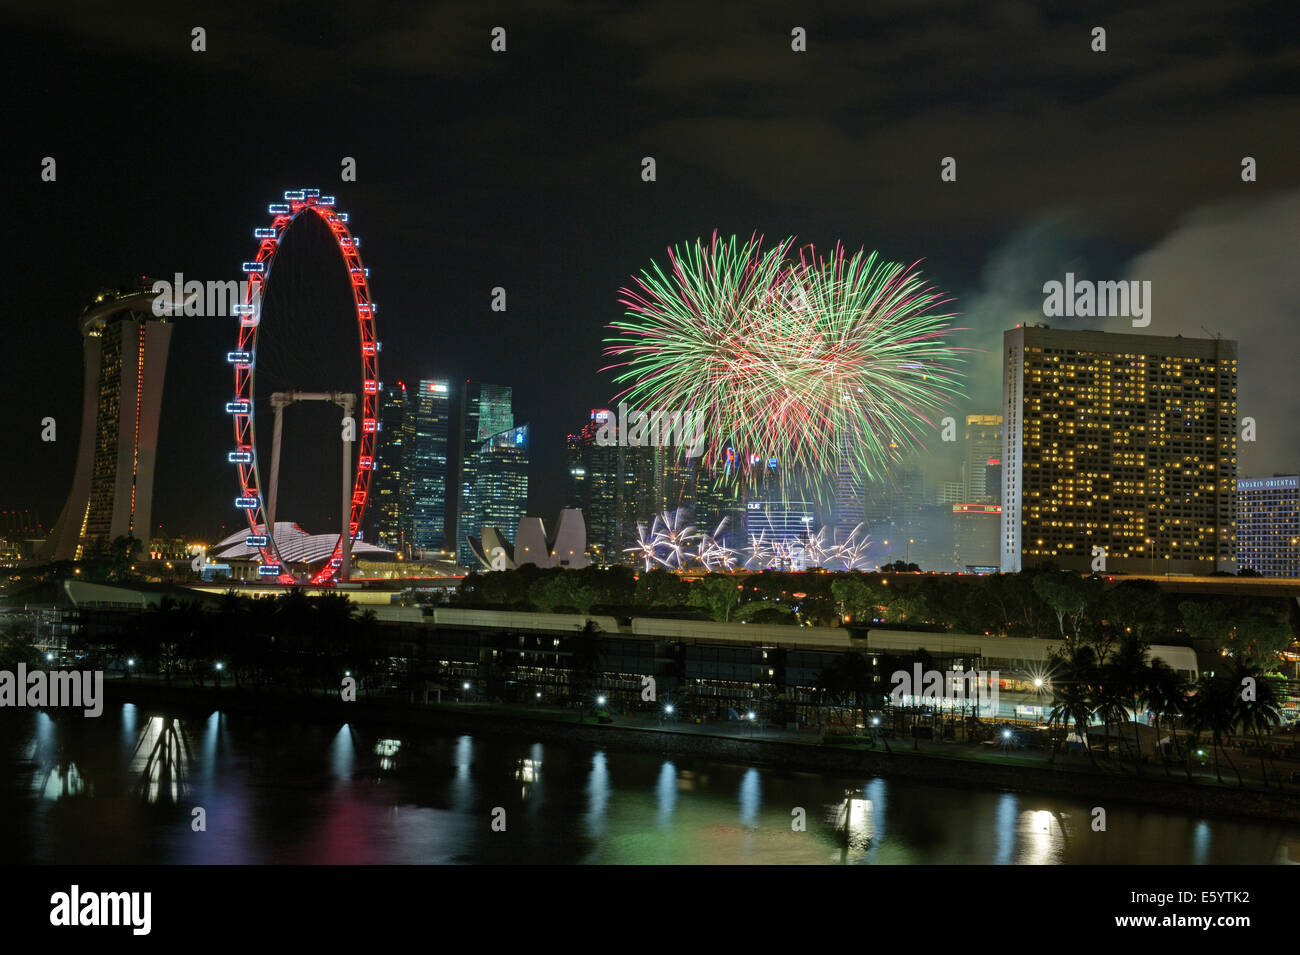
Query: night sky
[523, 170]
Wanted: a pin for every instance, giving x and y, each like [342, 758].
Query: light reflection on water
[122, 788]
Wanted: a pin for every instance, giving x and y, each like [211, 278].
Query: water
[122, 788]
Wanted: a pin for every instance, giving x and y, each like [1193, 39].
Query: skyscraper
[782, 526]
[427, 463]
[976, 514]
[850, 502]
[1268, 525]
[983, 451]
[485, 410]
[594, 487]
[391, 507]
[1118, 446]
[495, 410]
[124, 352]
[469, 521]
[503, 480]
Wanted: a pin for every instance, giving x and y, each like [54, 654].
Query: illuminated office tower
[426, 463]
[975, 529]
[952, 492]
[1268, 525]
[976, 511]
[781, 525]
[850, 501]
[503, 480]
[124, 352]
[983, 454]
[390, 491]
[1118, 446]
[485, 410]
[495, 411]
[594, 487]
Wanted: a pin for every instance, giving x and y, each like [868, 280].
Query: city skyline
[559, 217]
[483, 432]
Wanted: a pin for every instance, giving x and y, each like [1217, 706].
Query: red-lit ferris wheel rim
[258, 272]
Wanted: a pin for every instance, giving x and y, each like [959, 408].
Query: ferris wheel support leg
[345, 535]
[274, 489]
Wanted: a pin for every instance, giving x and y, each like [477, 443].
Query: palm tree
[1258, 715]
[1072, 693]
[1214, 709]
[1128, 670]
[1108, 701]
[1166, 694]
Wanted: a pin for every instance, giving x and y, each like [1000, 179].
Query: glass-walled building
[427, 463]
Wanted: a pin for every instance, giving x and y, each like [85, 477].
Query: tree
[718, 594]
[1253, 628]
[1128, 675]
[1166, 694]
[109, 562]
[900, 567]
[848, 677]
[1067, 594]
[1257, 711]
[1213, 708]
[1137, 607]
[584, 663]
[858, 598]
[18, 645]
[660, 588]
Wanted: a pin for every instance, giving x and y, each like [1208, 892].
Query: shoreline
[1160, 792]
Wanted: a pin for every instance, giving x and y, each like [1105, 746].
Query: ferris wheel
[258, 507]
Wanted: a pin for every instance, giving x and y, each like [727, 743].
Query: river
[125, 787]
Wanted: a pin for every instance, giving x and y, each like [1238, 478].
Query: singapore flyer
[357, 402]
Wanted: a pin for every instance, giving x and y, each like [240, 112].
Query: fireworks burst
[674, 536]
[644, 548]
[713, 554]
[825, 363]
[673, 543]
[823, 551]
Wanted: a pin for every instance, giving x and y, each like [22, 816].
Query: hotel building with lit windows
[1118, 445]
[1268, 525]
[124, 350]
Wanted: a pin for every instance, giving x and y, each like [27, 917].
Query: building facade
[983, 453]
[430, 412]
[594, 488]
[485, 410]
[124, 352]
[503, 479]
[1268, 525]
[391, 504]
[1119, 447]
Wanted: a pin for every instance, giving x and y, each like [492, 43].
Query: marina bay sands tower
[124, 348]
